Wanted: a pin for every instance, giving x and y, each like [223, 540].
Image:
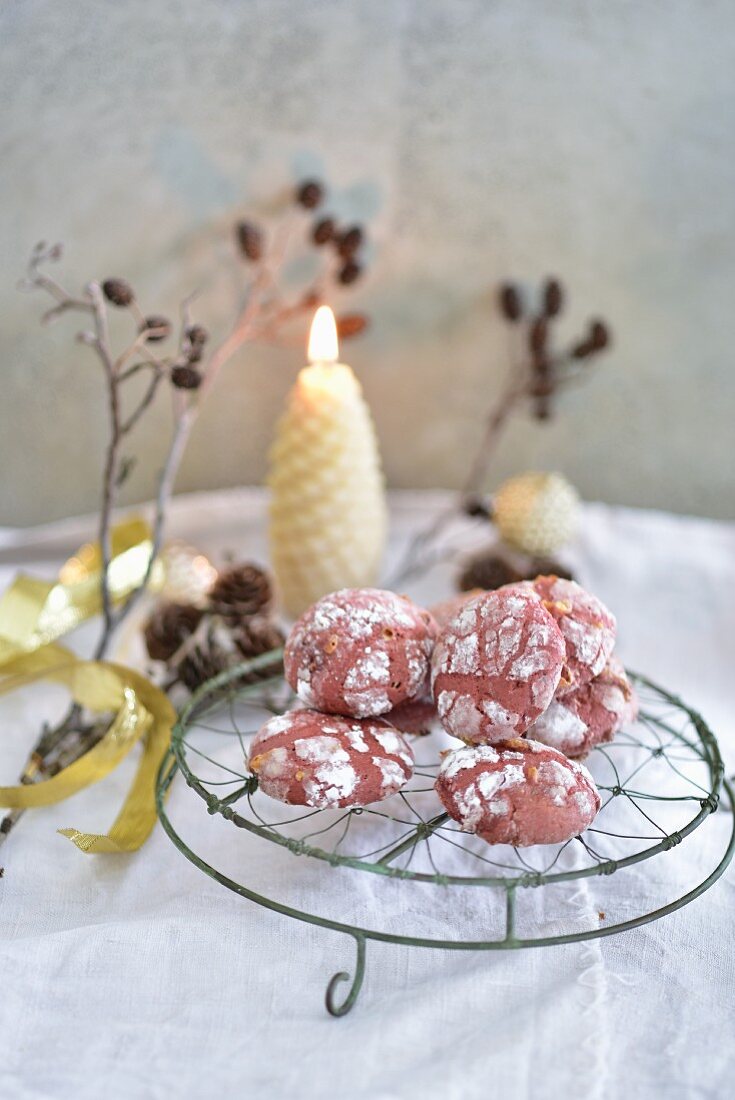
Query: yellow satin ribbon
[32, 614]
[141, 710]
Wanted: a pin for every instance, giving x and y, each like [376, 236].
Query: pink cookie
[519, 793]
[310, 759]
[360, 652]
[415, 717]
[590, 715]
[587, 625]
[496, 666]
[445, 611]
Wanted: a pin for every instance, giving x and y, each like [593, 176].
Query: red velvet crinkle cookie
[587, 625]
[519, 793]
[590, 715]
[416, 717]
[445, 610]
[307, 758]
[496, 666]
[360, 652]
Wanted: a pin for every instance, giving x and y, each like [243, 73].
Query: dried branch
[535, 378]
[184, 423]
[146, 401]
[262, 314]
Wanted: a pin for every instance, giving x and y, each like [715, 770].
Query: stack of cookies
[524, 676]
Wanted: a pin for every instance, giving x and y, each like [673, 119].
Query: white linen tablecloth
[126, 977]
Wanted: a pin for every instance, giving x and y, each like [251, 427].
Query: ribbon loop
[33, 614]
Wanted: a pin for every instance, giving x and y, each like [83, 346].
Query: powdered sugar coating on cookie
[590, 715]
[496, 666]
[445, 610]
[306, 758]
[588, 628]
[360, 652]
[519, 792]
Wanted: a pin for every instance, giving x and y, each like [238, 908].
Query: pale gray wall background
[585, 137]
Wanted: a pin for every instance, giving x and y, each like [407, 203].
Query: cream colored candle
[327, 513]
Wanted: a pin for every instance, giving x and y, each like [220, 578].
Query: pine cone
[240, 592]
[204, 661]
[168, 628]
[548, 567]
[487, 571]
[256, 636]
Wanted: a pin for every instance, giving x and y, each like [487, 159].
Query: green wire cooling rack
[660, 781]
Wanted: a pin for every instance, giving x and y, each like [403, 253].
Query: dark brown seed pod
[583, 349]
[250, 240]
[538, 336]
[511, 305]
[351, 324]
[118, 291]
[553, 298]
[195, 353]
[197, 335]
[310, 194]
[350, 272]
[155, 327]
[349, 242]
[323, 230]
[186, 377]
[599, 335]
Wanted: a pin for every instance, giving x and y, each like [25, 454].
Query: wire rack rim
[166, 776]
[707, 750]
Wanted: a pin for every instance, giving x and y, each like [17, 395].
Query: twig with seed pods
[535, 376]
[540, 372]
[188, 373]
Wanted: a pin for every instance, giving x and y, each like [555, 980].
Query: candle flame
[323, 343]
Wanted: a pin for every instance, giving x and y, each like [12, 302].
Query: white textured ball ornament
[536, 513]
[188, 574]
[328, 515]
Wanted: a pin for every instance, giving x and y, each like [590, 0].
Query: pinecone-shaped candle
[327, 514]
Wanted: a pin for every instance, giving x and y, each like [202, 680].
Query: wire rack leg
[334, 1007]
